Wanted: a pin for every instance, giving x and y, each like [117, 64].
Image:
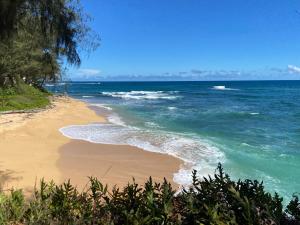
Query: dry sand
[31, 147]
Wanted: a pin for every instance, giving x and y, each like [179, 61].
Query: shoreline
[114, 164]
[32, 147]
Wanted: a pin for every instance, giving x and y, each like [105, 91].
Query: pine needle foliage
[38, 36]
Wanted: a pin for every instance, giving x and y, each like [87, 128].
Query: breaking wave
[223, 88]
[148, 95]
[196, 153]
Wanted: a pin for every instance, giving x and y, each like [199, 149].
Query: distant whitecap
[223, 88]
[142, 95]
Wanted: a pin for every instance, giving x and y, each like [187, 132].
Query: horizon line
[66, 81]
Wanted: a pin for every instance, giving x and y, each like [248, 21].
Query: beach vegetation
[210, 200]
[38, 38]
[24, 97]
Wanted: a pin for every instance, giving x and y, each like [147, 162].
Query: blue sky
[193, 40]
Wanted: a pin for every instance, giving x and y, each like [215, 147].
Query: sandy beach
[31, 148]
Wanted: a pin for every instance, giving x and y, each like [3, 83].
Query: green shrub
[12, 207]
[213, 200]
[293, 208]
[22, 98]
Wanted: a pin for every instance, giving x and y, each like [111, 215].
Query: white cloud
[196, 71]
[182, 73]
[88, 72]
[293, 69]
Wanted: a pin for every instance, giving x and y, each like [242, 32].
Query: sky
[193, 40]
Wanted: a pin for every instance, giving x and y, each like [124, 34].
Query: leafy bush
[22, 97]
[213, 200]
[293, 209]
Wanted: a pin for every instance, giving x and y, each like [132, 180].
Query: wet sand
[31, 148]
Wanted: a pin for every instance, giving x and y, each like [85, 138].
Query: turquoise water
[253, 128]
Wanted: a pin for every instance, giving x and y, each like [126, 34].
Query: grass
[23, 98]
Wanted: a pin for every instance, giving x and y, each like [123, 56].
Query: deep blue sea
[252, 127]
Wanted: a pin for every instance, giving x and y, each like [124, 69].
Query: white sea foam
[245, 144]
[196, 153]
[283, 155]
[219, 87]
[87, 96]
[56, 84]
[87, 83]
[152, 125]
[254, 113]
[223, 88]
[101, 106]
[172, 108]
[115, 119]
[146, 95]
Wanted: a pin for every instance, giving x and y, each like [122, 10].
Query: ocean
[251, 127]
